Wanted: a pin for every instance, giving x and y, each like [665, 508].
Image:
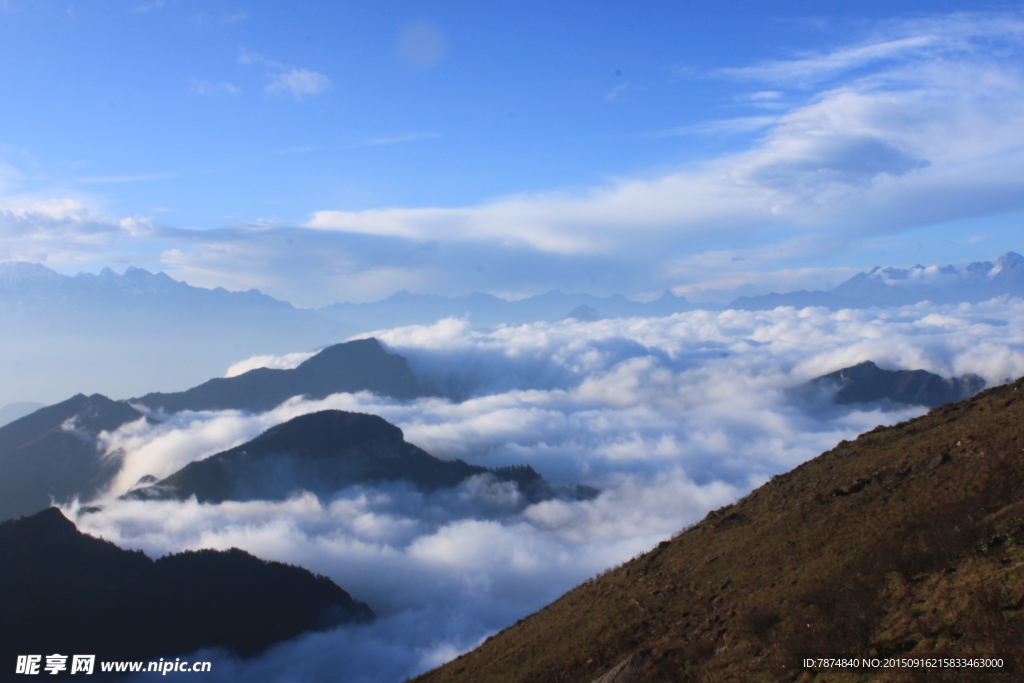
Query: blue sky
[328, 151]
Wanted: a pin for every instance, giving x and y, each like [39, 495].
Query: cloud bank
[668, 417]
[917, 124]
[929, 132]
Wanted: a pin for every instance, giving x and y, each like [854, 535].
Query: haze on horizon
[343, 152]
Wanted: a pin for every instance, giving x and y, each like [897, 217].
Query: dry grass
[909, 540]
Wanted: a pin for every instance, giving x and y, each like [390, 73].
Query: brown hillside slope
[908, 541]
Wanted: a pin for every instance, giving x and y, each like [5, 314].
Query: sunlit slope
[908, 540]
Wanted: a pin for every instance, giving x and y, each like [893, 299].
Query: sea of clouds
[667, 417]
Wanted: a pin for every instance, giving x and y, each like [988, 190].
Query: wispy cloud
[200, 87]
[813, 68]
[892, 145]
[147, 7]
[614, 93]
[907, 143]
[894, 42]
[741, 124]
[299, 82]
[245, 57]
[397, 139]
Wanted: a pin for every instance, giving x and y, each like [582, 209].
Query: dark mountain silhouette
[53, 453]
[868, 383]
[323, 453]
[361, 365]
[67, 592]
[907, 542]
[883, 287]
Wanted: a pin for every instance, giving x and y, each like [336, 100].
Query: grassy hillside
[908, 541]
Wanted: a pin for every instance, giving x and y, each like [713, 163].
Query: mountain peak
[865, 382]
[359, 365]
[1010, 264]
[48, 523]
[326, 431]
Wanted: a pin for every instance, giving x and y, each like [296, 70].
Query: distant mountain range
[30, 291]
[883, 287]
[65, 592]
[123, 334]
[404, 308]
[905, 544]
[328, 451]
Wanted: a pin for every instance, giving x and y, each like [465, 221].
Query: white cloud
[69, 232]
[299, 82]
[668, 417]
[613, 94]
[246, 57]
[286, 362]
[201, 87]
[919, 126]
[900, 142]
[822, 66]
[147, 7]
[398, 139]
[742, 124]
[286, 80]
[56, 209]
[894, 41]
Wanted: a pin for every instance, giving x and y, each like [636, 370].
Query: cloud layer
[668, 417]
[919, 125]
[915, 125]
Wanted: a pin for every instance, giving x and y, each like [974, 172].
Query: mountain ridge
[54, 452]
[359, 365]
[906, 542]
[325, 452]
[868, 383]
[65, 591]
[884, 287]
